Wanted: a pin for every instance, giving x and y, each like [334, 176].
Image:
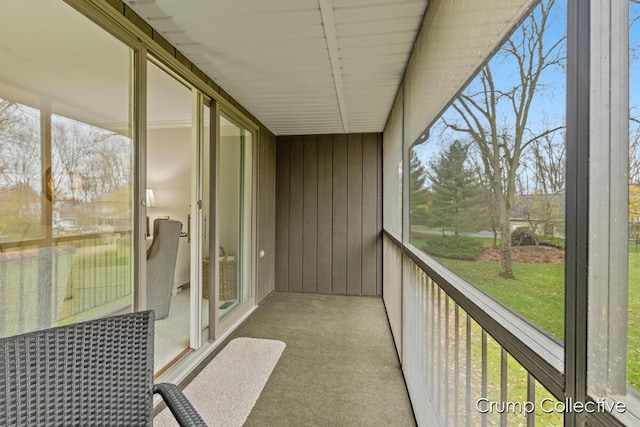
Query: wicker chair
[96, 373]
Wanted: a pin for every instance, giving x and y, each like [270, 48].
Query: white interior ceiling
[299, 66]
[53, 57]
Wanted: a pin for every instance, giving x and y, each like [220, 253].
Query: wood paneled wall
[329, 214]
[266, 213]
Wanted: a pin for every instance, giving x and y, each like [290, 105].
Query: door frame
[195, 227]
[239, 313]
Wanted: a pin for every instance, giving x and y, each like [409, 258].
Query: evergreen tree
[456, 189]
[418, 193]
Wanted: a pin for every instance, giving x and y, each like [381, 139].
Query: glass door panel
[235, 217]
[66, 169]
[207, 289]
[170, 163]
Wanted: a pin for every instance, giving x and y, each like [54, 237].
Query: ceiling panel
[299, 66]
[383, 12]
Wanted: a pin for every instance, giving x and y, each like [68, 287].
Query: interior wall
[169, 172]
[169, 163]
[329, 214]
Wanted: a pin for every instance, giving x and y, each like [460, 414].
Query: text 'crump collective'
[548, 405]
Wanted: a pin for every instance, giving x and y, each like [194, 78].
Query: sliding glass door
[235, 220]
[209, 272]
[67, 159]
[207, 218]
[171, 157]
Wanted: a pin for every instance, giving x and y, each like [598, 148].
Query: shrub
[523, 237]
[454, 247]
[554, 242]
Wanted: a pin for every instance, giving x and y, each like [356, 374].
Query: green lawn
[87, 278]
[633, 331]
[538, 295]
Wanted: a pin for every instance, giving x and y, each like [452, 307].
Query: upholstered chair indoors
[161, 265]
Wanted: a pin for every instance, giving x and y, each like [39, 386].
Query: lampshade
[151, 199]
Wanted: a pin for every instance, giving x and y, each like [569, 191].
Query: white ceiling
[299, 66]
[44, 61]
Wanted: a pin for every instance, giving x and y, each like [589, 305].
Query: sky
[548, 107]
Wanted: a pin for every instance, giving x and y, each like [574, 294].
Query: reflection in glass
[487, 186]
[170, 165]
[234, 201]
[91, 179]
[20, 173]
[66, 251]
[633, 330]
[206, 213]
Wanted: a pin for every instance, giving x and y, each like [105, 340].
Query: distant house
[107, 214]
[543, 213]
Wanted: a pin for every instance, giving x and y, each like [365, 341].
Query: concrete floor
[340, 367]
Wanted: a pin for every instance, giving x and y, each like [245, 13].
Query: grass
[633, 331]
[87, 278]
[451, 353]
[452, 247]
[555, 242]
[538, 295]
[100, 275]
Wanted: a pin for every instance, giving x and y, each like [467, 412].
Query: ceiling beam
[329, 24]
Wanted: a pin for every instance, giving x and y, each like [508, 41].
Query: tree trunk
[506, 270]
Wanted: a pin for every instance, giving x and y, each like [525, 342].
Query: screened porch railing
[78, 278]
[457, 371]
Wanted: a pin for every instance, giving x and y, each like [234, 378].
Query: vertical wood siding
[310, 215]
[266, 213]
[296, 212]
[354, 215]
[339, 225]
[329, 214]
[282, 215]
[325, 213]
[369, 214]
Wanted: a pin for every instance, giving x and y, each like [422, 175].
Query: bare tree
[497, 120]
[74, 148]
[490, 207]
[19, 146]
[108, 168]
[634, 119]
[547, 161]
[5, 114]
[549, 158]
[634, 150]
